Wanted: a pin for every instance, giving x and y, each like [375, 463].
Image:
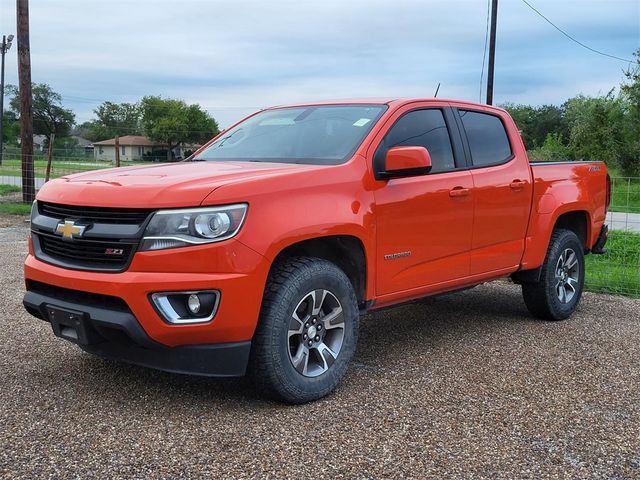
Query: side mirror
[406, 162]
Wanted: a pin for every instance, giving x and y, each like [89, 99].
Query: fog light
[186, 307]
[194, 304]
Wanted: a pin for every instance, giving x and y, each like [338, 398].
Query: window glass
[420, 128]
[487, 138]
[323, 135]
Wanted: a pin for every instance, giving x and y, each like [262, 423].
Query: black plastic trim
[117, 233]
[598, 248]
[463, 137]
[526, 276]
[118, 335]
[86, 265]
[565, 162]
[459, 153]
[217, 360]
[405, 172]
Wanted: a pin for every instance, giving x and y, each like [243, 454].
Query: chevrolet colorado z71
[260, 252]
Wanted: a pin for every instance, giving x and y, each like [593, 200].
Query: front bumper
[109, 329]
[240, 276]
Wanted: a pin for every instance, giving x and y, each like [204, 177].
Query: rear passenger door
[424, 222]
[502, 191]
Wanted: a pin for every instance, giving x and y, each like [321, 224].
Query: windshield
[324, 135]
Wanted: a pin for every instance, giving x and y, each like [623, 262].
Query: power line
[78, 99]
[484, 54]
[573, 39]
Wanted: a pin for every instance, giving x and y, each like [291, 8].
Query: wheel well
[577, 222]
[345, 251]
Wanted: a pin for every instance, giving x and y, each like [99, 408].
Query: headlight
[192, 226]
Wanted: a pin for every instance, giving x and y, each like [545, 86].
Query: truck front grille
[111, 238]
[129, 216]
[84, 254]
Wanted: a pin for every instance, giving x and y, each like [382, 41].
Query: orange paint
[421, 234]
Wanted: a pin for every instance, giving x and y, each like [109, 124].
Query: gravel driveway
[466, 385]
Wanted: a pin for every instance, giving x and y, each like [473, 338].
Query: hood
[180, 184]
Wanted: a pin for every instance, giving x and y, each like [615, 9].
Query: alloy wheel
[567, 275]
[316, 333]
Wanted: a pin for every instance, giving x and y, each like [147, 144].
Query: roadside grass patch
[11, 208]
[8, 189]
[625, 195]
[625, 192]
[618, 270]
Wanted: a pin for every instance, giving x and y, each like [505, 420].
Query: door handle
[459, 192]
[518, 184]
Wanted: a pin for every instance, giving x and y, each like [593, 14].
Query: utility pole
[492, 50]
[4, 48]
[26, 113]
[117, 145]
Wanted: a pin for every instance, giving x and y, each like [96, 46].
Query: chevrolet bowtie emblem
[69, 230]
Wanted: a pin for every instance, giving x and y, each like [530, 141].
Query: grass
[7, 189]
[618, 270]
[15, 208]
[12, 168]
[625, 194]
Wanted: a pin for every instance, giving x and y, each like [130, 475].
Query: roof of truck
[381, 101]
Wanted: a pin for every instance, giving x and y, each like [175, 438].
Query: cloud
[234, 57]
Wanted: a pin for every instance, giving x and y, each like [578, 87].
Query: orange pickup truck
[260, 252]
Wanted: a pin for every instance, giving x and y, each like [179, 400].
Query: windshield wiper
[224, 139]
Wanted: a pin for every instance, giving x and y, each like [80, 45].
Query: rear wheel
[556, 295]
[307, 332]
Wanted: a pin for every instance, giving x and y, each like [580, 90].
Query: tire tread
[267, 376]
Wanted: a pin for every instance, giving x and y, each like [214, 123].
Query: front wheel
[556, 295]
[307, 332]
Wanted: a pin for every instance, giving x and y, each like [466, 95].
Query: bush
[553, 149]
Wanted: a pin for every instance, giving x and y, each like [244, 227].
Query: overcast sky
[234, 57]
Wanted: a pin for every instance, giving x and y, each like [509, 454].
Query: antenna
[435, 95]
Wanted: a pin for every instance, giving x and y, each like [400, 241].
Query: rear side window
[487, 138]
[420, 128]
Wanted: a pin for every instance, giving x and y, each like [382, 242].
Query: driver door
[424, 223]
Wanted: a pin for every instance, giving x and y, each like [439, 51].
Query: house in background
[132, 147]
[39, 143]
[137, 147]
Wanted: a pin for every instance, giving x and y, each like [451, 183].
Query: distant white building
[133, 147]
[39, 143]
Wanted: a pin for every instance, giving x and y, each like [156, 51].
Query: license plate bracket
[72, 325]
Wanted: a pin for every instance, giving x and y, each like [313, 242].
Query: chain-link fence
[617, 271]
[65, 161]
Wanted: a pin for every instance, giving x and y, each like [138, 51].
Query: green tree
[596, 127]
[552, 149]
[536, 123]
[10, 128]
[630, 97]
[49, 116]
[523, 115]
[174, 123]
[112, 119]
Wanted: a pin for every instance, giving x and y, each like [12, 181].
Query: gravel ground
[466, 385]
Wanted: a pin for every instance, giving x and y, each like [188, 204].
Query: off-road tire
[270, 365]
[541, 297]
